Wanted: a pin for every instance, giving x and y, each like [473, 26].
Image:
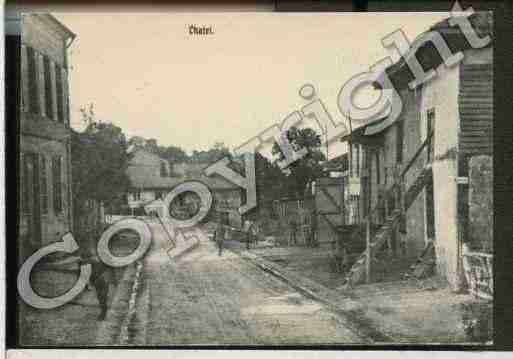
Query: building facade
[418, 166]
[45, 168]
[152, 178]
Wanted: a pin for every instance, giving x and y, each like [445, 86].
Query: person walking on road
[293, 232]
[249, 228]
[219, 237]
[101, 277]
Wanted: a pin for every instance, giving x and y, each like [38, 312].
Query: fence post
[368, 251]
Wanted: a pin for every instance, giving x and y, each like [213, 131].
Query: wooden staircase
[357, 272]
[403, 200]
[425, 177]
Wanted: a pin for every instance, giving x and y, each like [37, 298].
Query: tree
[152, 146]
[98, 162]
[217, 152]
[137, 141]
[173, 154]
[306, 169]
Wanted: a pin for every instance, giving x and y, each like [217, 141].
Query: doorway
[31, 200]
[430, 211]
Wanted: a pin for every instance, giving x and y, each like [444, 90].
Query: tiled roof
[427, 54]
[144, 172]
[141, 179]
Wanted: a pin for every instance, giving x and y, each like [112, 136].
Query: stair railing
[390, 201]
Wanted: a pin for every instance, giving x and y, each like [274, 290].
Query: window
[163, 169]
[60, 93]
[57, 183]
[33, 81]
[48, 88]
[44, 184]
[430, 124]
[137, 195]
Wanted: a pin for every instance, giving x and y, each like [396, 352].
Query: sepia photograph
[255, 179]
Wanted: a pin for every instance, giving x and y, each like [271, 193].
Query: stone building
[44, 127]
[414, 172]
[152, 177]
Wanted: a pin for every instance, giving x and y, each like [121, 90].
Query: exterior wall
[480, 228]
[36, 33]
[146, 162]
[145, 197]
[441, 93]
[51, 222]
[42, 134]
[415, 238]
[144, 173]
[414, 241]
[227, 199]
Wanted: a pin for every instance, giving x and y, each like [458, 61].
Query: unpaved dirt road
[206, 299]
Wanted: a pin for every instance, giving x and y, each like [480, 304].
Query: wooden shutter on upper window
[48, 87]
[43, 177]
[475, 104]
[57, 183]
[59, 93]
[33, 81]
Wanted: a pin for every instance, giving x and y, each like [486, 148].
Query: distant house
[152, 178]
[46, 204]
[414, 175]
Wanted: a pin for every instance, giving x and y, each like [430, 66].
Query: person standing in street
[101, 277]
[219, 237]
[293, 232]
[249, 228]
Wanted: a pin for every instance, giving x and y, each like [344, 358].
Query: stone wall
[480, 227]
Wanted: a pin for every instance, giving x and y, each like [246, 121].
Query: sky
[145, 73]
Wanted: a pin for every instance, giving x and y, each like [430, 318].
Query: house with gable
[153, 177]
[424, 178]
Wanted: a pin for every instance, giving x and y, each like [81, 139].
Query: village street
[203, 298]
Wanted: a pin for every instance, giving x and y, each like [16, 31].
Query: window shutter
[43, 184]
[53, 78]
[41, 88]
[57, 183]
[33, 93]
[59, 93]
[48, 87]
[65, 95]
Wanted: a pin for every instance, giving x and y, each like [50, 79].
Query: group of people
[249, 229]
[310, 238]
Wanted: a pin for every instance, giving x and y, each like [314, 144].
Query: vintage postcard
[254, 179]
